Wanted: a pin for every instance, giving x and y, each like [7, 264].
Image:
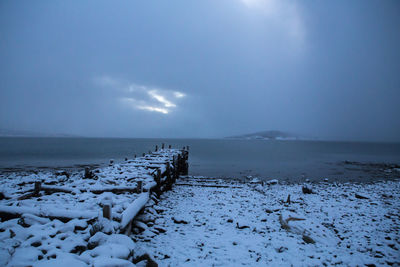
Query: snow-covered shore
[240, 225]
[204, 222]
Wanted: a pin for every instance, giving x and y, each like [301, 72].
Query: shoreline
[367, 172]
[203, 221]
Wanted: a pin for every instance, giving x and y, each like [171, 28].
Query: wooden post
[185, 165]
[156, 148]
[168, 171]
[179, 166]
[143, 154]
[135, 156]
[157, 178]
[169, 180]
[36, 190]
[174, 165]
[126, 159]
[88, 173]
[162, 146]
[128, 229]
[159, 175]
[139, 186]
[107, 211]
[169, 146]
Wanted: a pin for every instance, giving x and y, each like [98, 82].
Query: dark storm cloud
[201, 68]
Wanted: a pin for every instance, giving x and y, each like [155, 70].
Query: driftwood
[133, 209]
[288, 199]
[33, 193]
[48, 190]
[209, 185]
[360, 196]
[115, 190]
[285, 225]
[54, 189]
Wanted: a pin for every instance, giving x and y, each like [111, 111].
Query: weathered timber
[208, 185]
[34, 193]
[115, 190]
[10, 212]
[88, 173]
[107, 211]
[133, 209]
[139, 186]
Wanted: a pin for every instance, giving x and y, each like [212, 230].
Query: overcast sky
[329, 69]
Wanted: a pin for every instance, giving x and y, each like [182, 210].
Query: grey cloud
[97, 68]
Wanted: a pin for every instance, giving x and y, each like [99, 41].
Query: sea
[290, 160]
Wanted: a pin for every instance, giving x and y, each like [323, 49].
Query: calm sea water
[289, 160]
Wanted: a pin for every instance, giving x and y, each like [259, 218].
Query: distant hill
[23, 133]
[267, 135]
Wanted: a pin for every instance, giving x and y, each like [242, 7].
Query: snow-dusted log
[115, 189]
[62, 189]
[7, 212]
[133, 209]
[208, 185]
[296, 230]
[48, 190]
[149, 186]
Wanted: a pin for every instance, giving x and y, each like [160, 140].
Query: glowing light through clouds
[142, 97]
[285, 14]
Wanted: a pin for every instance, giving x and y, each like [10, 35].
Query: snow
[49, 212]
[200, 222]
[64, 261]
[346, 230]
[82, 237]
[134, 209]
[111, 262]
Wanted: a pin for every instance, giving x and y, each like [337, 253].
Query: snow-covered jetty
[47, 218]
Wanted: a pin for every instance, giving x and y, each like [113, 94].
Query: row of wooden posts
[164, 181]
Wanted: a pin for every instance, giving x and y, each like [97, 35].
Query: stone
[306, 190]
[361, 196]
[179, 220]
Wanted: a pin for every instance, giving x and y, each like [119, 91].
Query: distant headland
[270, 135]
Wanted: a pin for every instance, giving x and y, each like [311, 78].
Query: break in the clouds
[284, 14]
[142, 97]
